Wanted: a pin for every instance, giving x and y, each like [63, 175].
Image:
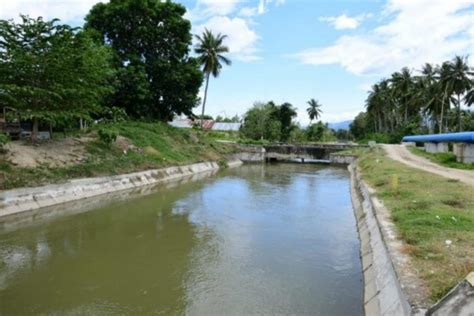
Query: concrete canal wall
[390, 284]
[27, 199]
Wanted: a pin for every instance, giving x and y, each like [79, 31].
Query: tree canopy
[269, 121]
[156, 76]
[428, 101]
[50, 71]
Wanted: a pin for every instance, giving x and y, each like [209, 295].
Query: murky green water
[279, 239]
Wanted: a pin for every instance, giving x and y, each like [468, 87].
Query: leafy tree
[269, 121]
[359, 127]
[211, 50]
[315, 132]
[297, 135]
[286, 113]
[234, 119]
[261, 122]
[314, 110]
[156, 76]
[50, 71]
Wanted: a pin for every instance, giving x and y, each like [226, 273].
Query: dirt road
[402, 154]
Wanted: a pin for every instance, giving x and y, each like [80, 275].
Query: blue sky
[294, 50]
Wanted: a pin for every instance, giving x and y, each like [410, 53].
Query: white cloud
[262, 6]
[343, 21]
[205, 9]
[248, 11]
[417, 31]
[65, 10]
[241, 38]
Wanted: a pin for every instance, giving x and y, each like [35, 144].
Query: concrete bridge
[303, 152]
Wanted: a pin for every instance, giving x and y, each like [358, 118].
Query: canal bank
[390, 285]
[411, 230]
[28, 199]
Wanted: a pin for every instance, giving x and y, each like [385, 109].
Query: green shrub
[4, 139]
[114, 114]
[381, 138]
[107, 135]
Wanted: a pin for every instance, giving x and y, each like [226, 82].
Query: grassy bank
[444, 159]
[433, 215]
[140, 146]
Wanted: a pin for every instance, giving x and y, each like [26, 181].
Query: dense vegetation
[150, 39]
[425, 103]
[131, 60]
[52, 72]
[275, 123]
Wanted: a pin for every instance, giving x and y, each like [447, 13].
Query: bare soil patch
[53, 153]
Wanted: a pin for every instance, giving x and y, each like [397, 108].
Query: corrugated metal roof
[207, 124]
[181, 123]
[226, 126]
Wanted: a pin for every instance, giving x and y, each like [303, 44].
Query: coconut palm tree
[211, 49]
[314, 110]
[402, 83]
[445, 87]
[457, 75]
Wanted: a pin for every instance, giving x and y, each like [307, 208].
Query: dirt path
[402, 154]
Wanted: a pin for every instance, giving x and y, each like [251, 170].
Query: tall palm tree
[314, 110]
[403, 90]
[469, 98]
[445, 87]
[210, 49]
[458, 74]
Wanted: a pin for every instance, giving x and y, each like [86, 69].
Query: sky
[295, 50]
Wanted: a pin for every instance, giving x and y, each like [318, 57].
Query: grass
[445, 159]
[157, 145]
[428, 210]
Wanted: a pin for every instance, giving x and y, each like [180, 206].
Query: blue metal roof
[464, 137]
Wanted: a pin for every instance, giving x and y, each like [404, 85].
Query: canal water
[274, 239]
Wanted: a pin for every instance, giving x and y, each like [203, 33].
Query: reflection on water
[254, 240]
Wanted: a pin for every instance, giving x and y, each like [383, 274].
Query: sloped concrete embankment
[390, 285]
[28, 199]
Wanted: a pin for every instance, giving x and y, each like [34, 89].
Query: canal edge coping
[391, 287]
[28, 199]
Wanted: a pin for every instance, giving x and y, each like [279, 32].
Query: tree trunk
[34, 133]
[204, 101]
[459, 113]
[406, 113]
[81, 124]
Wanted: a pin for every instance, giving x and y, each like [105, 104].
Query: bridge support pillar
[442, 148]
[431, 148]
[464, 152]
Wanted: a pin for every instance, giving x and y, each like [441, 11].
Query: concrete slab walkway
[402, 154]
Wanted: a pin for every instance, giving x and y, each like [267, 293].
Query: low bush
[107, 135]
[4, 139]
[381, 138]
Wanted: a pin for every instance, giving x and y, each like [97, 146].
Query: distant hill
[340, 125]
